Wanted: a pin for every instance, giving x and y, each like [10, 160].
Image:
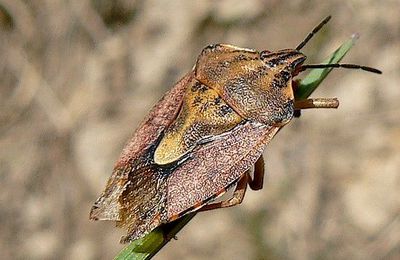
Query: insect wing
[216, 166]
[133, 182]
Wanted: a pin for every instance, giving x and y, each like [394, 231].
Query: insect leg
[257, 182]
[317, 103]
[237, 196]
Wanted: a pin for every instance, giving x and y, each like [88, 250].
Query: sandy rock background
[76, 77]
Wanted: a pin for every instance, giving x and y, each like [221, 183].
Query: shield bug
[204, 136]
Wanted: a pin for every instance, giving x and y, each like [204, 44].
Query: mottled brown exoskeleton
[204, 136]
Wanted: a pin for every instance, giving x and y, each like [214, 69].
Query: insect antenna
[313, 32]
[340, 65]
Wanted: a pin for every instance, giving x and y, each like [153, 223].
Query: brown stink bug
[204, 136]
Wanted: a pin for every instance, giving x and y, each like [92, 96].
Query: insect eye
[281, 79]
[285, 75]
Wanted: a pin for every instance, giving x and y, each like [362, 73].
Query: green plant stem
[314, 78]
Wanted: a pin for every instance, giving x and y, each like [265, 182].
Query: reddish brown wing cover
[215, 166]
[140, 195]
[132, 170]
[160, 117]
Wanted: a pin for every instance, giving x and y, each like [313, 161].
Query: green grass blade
[308, 84]
[146, 247]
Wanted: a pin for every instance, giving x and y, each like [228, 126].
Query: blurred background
[76, 78]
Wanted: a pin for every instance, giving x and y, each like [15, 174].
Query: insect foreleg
[317, 103]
